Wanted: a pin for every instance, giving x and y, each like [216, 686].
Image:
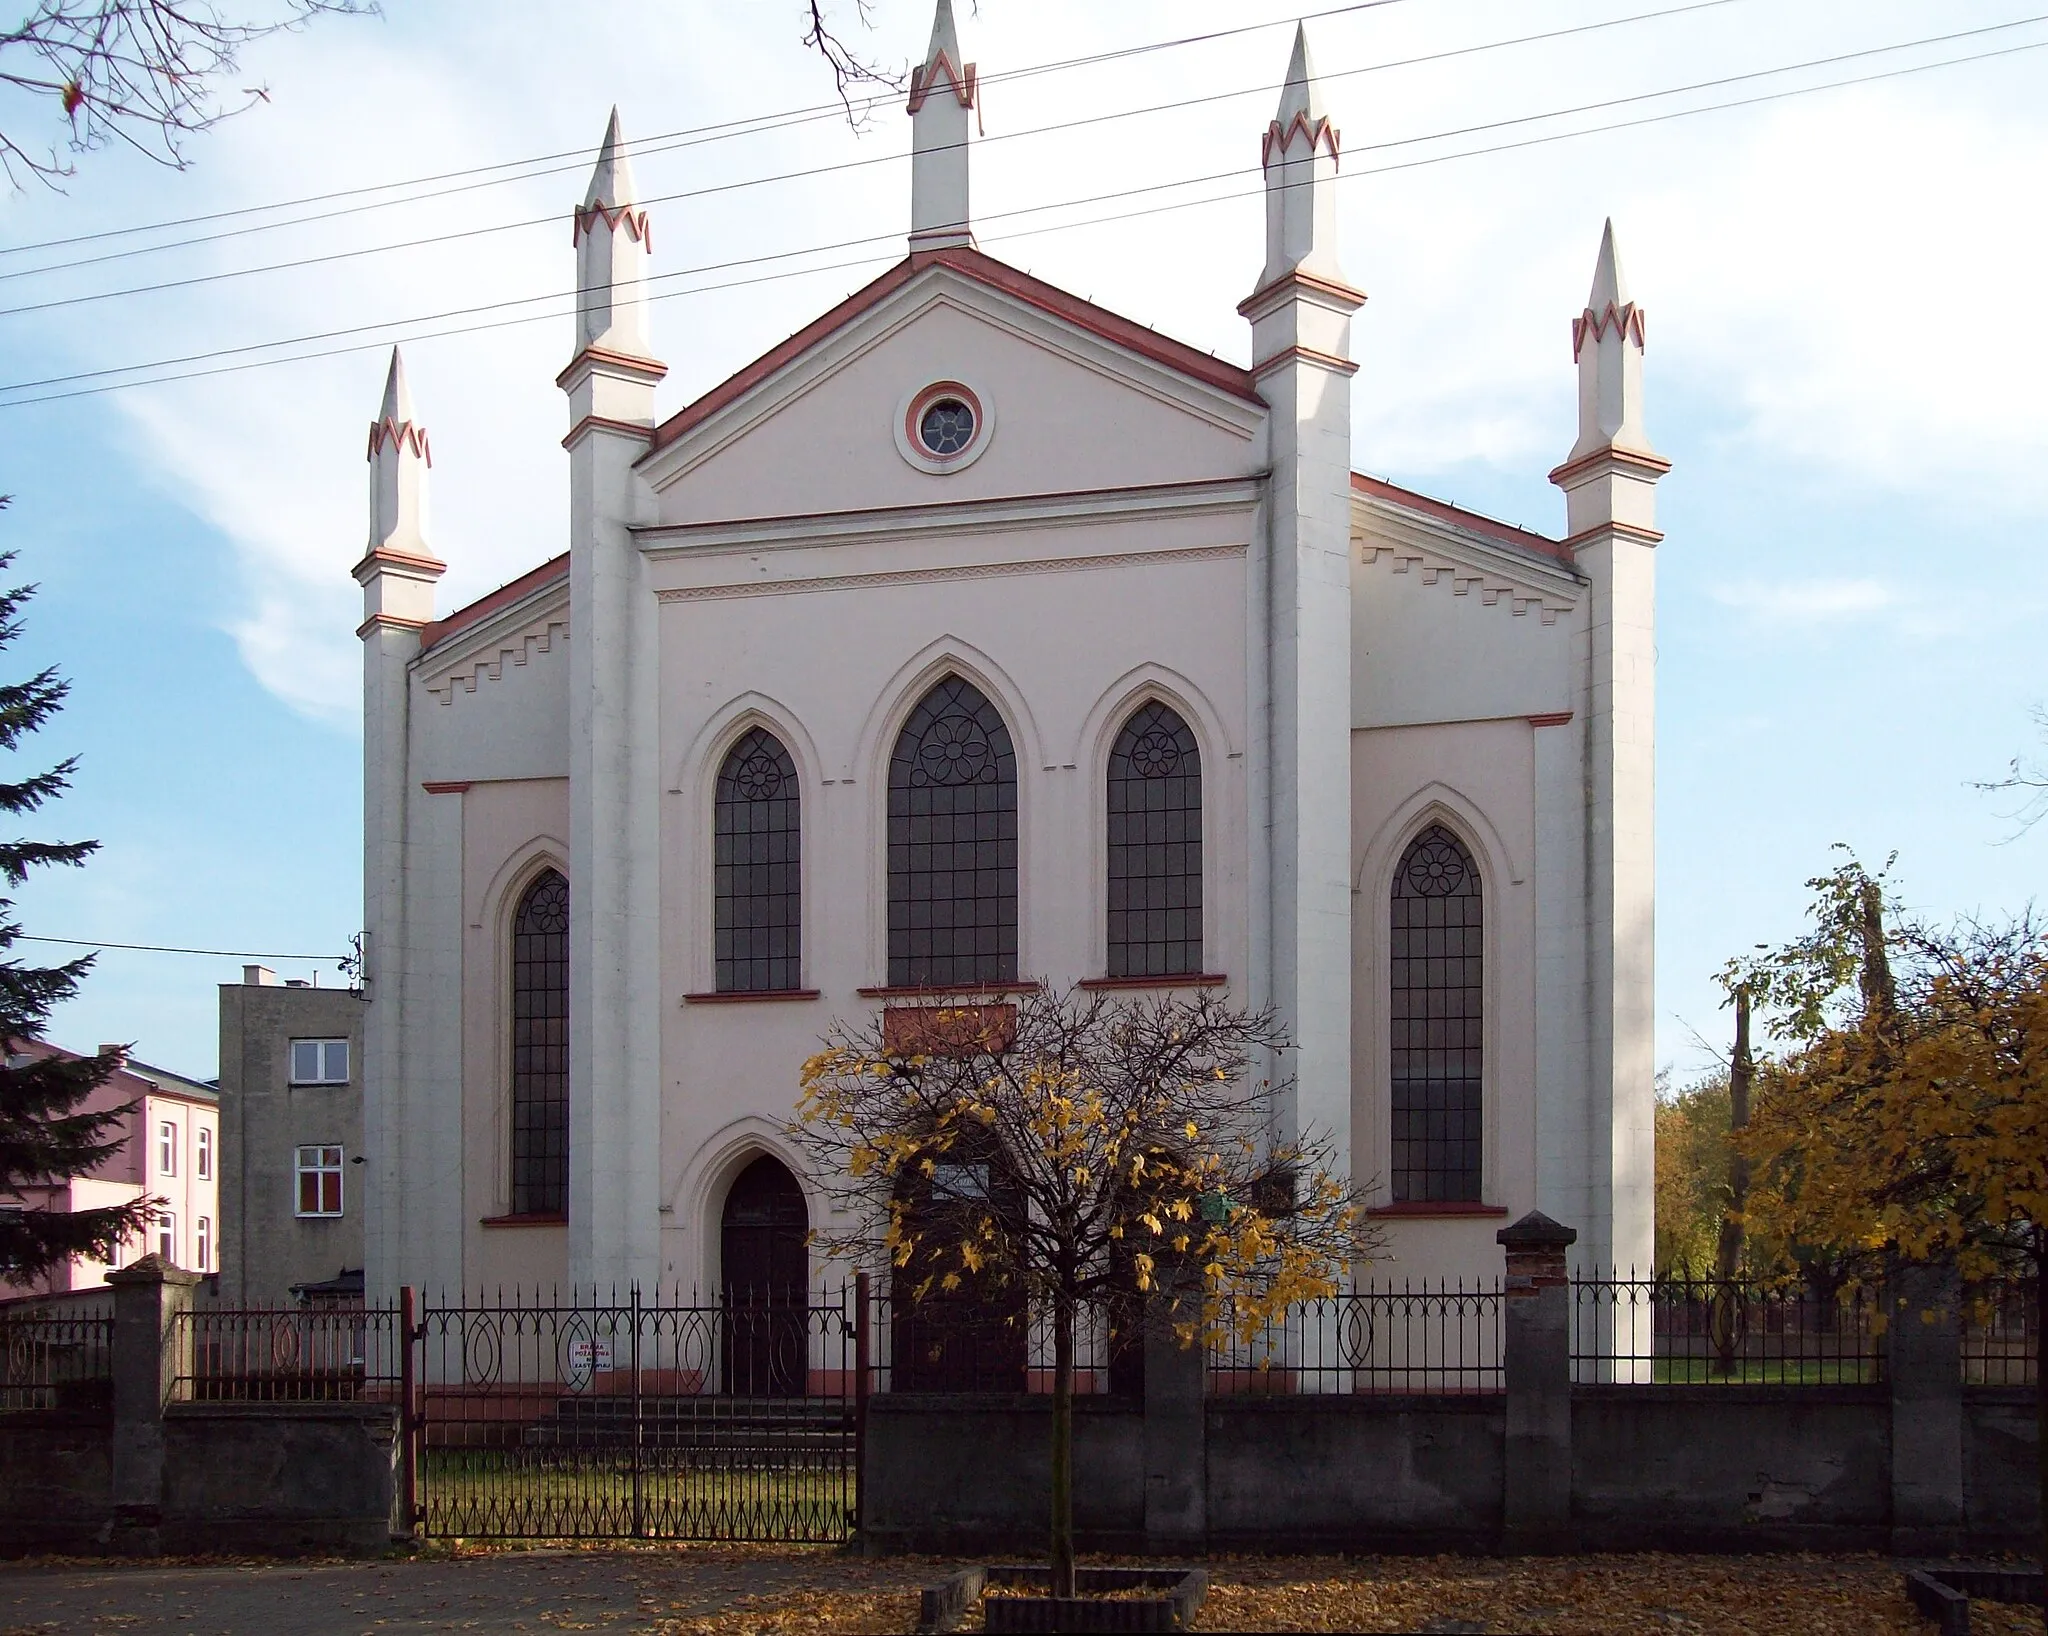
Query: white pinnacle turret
[942, 94]
[1607, 342]
[611, 238]
[1300, 159]
[399, 458]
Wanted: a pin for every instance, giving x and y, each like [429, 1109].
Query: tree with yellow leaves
[1076, 1149]
[1917, 1130]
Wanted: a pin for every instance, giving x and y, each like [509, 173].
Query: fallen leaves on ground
[1472, 1596]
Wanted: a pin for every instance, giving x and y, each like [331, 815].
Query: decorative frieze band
[971, 570]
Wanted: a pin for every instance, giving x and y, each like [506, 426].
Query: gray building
[291, 1113]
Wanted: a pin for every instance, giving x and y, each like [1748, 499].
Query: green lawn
[1769, 1372]
[586, 1494]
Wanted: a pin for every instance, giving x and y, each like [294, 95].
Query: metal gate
[633, 1419]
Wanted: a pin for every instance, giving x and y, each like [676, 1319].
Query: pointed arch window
[758, 863]
[540, 1049]
[1155, 847]
[953, 843]
[1437, 1020]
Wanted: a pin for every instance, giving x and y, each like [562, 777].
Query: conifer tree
[43, 1136]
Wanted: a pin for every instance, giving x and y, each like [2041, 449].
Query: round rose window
[946, 427]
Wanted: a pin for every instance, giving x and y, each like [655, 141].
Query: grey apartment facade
[291, 1109]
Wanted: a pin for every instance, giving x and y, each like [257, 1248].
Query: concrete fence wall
[152, 1475]
[1921, 1464]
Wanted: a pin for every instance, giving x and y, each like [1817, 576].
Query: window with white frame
[167, 1235]
[167, 1147]
[319, 1062]
[205, 1245]
[319, 1173]
[203, 1161]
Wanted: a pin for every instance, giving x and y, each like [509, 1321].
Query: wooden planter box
[1179, 1594]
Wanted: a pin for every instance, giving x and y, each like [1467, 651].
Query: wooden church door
[765, 1276]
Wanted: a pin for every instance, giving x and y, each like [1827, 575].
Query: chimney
[117, 1051]
[259, 977]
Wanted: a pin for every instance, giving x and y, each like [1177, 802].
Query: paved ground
[539, 1592]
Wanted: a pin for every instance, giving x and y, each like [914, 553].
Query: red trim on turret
[983, 269]
[923, 80]
[503, 597]
[1380, 489]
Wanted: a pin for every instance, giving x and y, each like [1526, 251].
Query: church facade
[974, 637]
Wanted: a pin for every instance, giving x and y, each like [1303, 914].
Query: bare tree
[148, 73]
[1073, 1150]
[850, 69]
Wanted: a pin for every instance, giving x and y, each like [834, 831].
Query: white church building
[975, 637]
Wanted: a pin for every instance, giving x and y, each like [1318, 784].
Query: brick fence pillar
[1924, 1361]
[1536, 1496]
[146, 1363]
[1176, 1431]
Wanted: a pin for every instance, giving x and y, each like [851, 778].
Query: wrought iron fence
[287, 1355]
[2001, 1334]
[999, 1345]
[632, 1418]
[55, 1359]
[1432, 1338]
[1676, 1331]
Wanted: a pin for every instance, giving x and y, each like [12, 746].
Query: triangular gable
[983, 269]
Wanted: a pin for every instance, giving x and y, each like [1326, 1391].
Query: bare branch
[2031, 776]
[850, 69]
[148, 73]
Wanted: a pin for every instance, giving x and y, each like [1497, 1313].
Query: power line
[728, 265]
[166, 948]
[1121, 216]
[751, 125]
[554, 219]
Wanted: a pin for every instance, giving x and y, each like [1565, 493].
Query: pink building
[172, 1153]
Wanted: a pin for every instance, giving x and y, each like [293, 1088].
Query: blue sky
[1846, 340]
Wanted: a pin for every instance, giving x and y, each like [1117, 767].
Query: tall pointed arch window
[1155, 847]
[953, 843]
[1437, 1021]
[540, 1049]
[757, 863]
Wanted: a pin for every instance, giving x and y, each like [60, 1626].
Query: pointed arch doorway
[764, 1281]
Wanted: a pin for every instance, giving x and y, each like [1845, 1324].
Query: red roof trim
[983, 269]
[503, 597]
[1380, 489]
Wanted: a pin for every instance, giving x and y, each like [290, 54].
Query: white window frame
[325, 1049]
[202, 1164]
[167, 1147]
[321, 1165]
[203, 1250]
[167, 1235]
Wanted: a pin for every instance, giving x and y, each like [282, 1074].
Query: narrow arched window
[540, 1049]
[953, 843]
[758, 891]
[1438, 926]
[1155, 847]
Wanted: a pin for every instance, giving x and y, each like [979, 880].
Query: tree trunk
[1062, 1446]
[1728, 1252]
[1880, 995]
